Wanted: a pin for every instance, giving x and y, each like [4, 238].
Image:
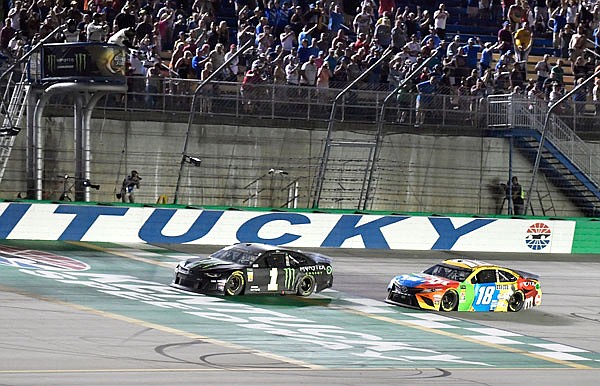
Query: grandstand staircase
[16, 93]
[566, 160]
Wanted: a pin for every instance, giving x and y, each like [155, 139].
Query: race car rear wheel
[449, 301]
[306, 286]
[235, 284]
[516, 302]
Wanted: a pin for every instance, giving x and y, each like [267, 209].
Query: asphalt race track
[103, 314]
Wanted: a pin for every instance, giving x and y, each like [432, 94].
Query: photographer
[129, 183]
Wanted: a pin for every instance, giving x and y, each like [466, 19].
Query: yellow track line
[166, 329]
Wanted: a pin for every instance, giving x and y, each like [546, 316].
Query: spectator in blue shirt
[486, 57]
[304, 51]
[331, 59]
[306, 33]
[198, 61]
[434, 36]
[314, 48]
[559, 21]
[424, 99]
[336, 19]
[278, 16]
[470, 52]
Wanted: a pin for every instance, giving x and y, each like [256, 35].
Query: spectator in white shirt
[97, 29]
[439, 21]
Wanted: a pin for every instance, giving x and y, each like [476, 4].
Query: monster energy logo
[51, 63]
[290, 276]
[80, 62]
[206, 263]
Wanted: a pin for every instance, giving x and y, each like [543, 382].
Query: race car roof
[257, 247]
[261, 248]
[468, 263]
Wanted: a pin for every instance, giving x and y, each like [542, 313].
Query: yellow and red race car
[466, 285]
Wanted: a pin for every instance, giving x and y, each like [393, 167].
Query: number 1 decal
[273, 283]
[485, 294]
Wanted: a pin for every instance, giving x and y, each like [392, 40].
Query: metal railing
[517, 111]
[290, 103]
[280, 190]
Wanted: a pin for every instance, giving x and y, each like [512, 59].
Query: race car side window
[292, 261]
[485, 276]
[276, 260]
[297, 260]
[505, 276]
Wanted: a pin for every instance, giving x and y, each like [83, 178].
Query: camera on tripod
[87, 183]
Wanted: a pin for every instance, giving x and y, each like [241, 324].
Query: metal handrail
[381, 117]
[544, 131]
[20, 60]
[323, 166]
[33, 49]
[564, 138]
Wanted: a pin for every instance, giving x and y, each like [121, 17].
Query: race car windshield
[237, 256]
[452, 273]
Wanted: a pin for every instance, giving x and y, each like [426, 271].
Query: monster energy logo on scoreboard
[83, 60]
[80, 62]
[290, 275]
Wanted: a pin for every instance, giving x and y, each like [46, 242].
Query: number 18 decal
[485, 294]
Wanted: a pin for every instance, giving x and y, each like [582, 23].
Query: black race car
[251, 268]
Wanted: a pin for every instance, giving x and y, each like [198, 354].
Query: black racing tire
[306, 286]
[516, 302]
[235, 284]
[449, 301]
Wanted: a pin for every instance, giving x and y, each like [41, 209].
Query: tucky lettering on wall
[313, 335]
[320, 230]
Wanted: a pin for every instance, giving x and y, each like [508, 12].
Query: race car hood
[423, 279]
[209, 263]
[318, 258]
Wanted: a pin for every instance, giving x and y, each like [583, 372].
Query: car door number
[289, 278]
[485, 294]
[272, 286]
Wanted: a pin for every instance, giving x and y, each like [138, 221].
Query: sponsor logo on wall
[538, 236]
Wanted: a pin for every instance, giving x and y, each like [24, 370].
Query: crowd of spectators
[327, 43]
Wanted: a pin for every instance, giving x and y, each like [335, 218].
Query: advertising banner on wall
[317, 230]
[93, 61]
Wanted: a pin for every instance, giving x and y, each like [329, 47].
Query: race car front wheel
[235, 284]
[516, 301]
[306, 286]
[449, 301]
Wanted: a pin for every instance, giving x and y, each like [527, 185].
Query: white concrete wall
[416, 173]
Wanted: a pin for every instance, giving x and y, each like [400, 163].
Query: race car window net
[505, 276]
[452, 273]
